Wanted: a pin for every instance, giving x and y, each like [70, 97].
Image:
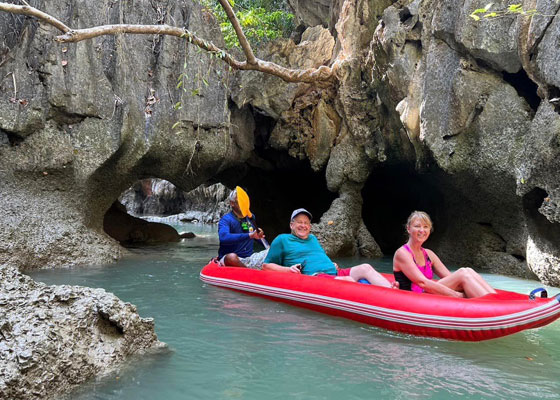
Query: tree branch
[239, 32]
[33, 12]
[309, 75]
[77, 35]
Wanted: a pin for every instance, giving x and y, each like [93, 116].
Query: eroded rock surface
[429, 110]
[84, 121]
[55, 337]
[79, 124]
[470, 109]
[419, 85]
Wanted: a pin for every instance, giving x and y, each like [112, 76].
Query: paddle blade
[243, 202]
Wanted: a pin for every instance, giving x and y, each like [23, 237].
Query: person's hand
[257, 235]
[295, 268]
[336, 266]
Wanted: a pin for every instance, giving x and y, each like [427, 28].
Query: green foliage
[261, 20]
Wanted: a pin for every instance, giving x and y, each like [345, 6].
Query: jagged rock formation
[84, 122]
[312, 13]
[53, 338]
[476, 100]
[78, 125]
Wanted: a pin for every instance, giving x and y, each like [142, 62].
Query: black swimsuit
[404, 282]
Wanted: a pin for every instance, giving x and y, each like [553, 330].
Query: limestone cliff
[80, 123]
[478, 102]
[429, 109]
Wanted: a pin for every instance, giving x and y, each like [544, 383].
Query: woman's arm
[404, 262]
[437, 265]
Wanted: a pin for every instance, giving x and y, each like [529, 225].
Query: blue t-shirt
[288, 249]
[234, 236]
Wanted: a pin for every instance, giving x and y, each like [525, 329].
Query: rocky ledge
[53, 338]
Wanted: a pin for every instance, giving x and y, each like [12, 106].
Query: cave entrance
[390, 194]
[277, 183]
[147, 212]
[160, 198]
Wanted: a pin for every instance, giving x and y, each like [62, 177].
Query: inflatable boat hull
[484, 318]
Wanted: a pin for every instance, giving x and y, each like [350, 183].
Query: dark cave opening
[404, 15]
[277, 183]
[10, 138]
[390, 194]
[553, 92]
[141, 213]
[263, 127]
[525, 87]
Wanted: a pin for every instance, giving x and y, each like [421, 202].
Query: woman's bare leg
[481, 281]
[468, 281]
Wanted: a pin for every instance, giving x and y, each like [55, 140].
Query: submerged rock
[53, 338]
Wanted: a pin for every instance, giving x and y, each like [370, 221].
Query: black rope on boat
[544, 293]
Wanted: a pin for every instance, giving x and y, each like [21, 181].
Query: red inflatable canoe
[483, 318]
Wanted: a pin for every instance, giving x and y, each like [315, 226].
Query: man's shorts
[254, 261]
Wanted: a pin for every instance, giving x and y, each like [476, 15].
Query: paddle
[244, 204]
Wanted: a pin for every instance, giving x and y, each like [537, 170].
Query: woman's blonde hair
[421, 215]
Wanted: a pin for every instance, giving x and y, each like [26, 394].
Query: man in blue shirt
[236, 235]
[300, 252]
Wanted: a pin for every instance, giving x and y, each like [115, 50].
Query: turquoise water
[228, 345]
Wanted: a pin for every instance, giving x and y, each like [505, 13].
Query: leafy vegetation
[261, 20]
